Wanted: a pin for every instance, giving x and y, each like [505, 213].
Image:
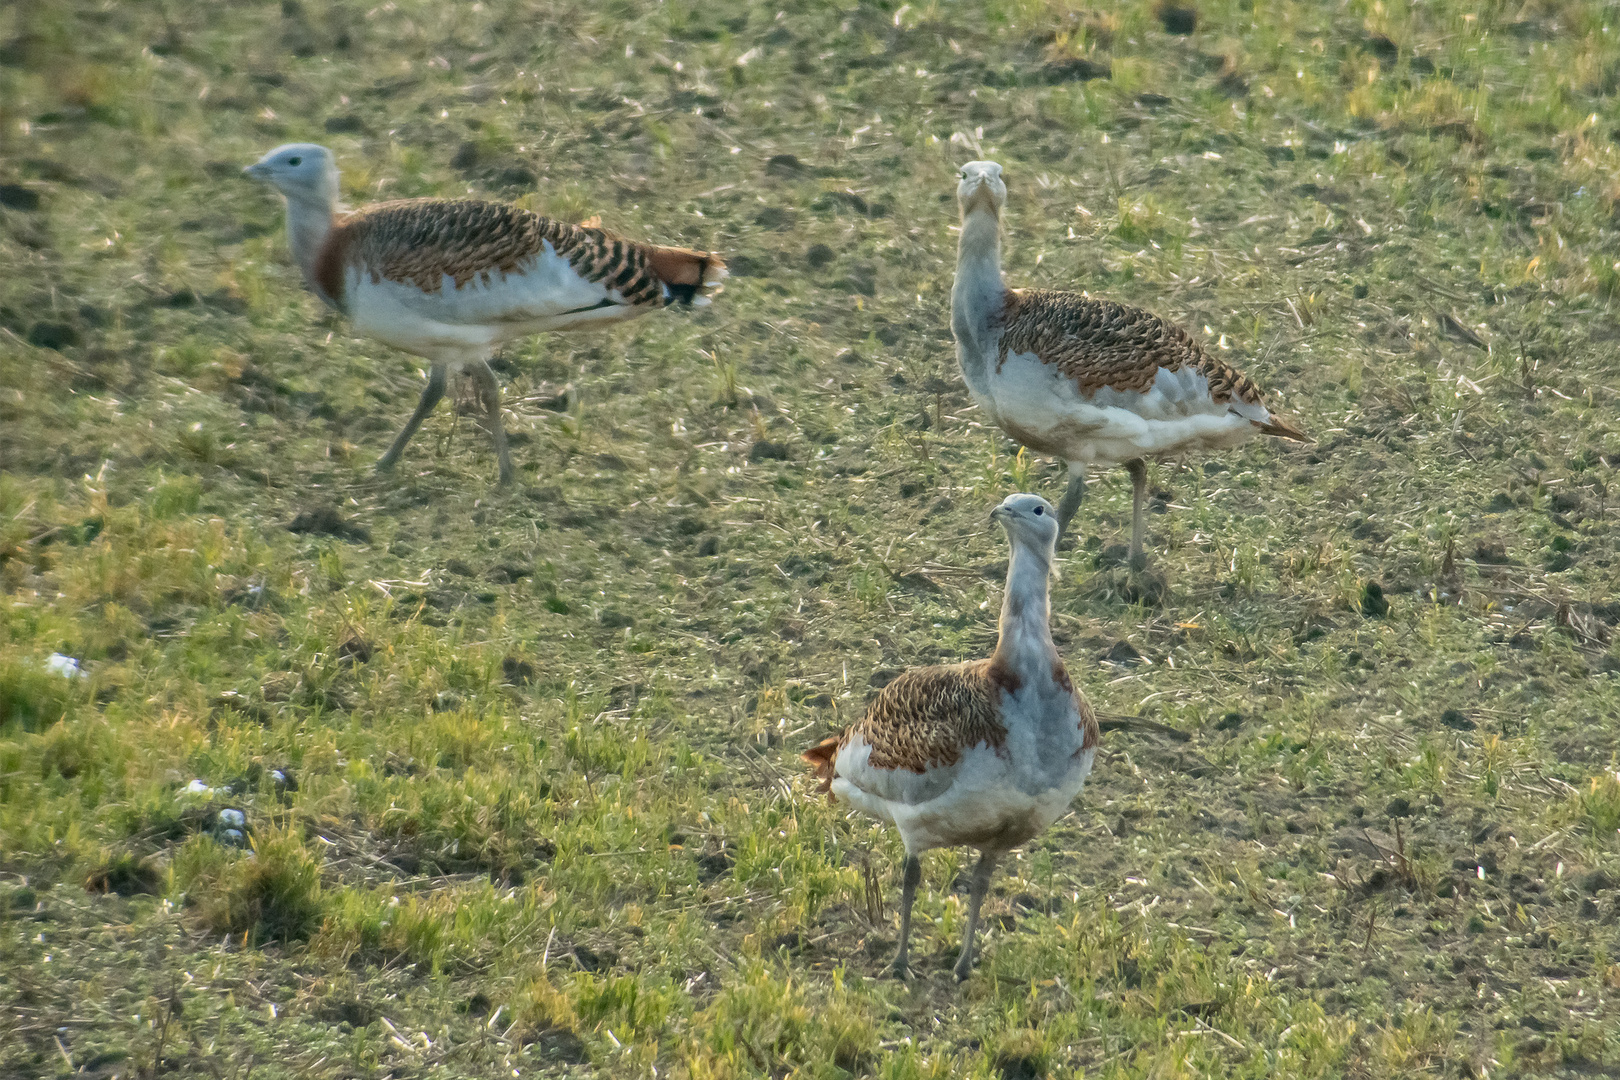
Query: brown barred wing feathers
[1102, 344]
[612, 261]
[425, 241]
[1096, 343]
[928, 717]
[919, 725]
[643, 273]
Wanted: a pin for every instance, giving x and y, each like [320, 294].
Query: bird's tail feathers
[1283, 428]
[689, 277]
[821, 757]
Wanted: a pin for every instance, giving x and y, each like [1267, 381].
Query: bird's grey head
[1028, 519]
[304, 172]
[980, 186]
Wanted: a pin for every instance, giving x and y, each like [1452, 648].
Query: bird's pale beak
[998, 513]
[257, 171]
[980, 192]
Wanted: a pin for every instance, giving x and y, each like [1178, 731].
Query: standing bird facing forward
[450, 280]
[987, 753]
[1089, 381]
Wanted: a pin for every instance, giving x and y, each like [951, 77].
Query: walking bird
[987, 753]
[1086, 380]
[450, 280]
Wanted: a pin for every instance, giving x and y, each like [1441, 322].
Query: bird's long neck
[1025, 647]
[979, 293]
[309, 222]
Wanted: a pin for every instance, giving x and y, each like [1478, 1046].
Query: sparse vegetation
[309, 773]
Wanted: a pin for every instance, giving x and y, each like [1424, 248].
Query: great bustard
[987, 753]
[1086, 380]
[450, 280]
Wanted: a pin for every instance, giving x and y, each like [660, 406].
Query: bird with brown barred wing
[451, 279]
[926, 716]
[986, 753]
[1087, 380]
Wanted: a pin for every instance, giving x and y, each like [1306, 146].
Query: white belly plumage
[543, 293]
[1042, 408]
[985, 799]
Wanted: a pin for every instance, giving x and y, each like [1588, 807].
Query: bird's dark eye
[295, 161]
[1039, 511]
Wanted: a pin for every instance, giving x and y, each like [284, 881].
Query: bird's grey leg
[981, 885]
[1138, 470]
[490, 391]
[1071, 499]
[431, 393]
[900, 968]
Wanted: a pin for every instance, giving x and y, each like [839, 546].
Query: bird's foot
[899, 968]
[1137, 562]
[963, 968]
[1145, 585]
[384, 465]
[1113, 555]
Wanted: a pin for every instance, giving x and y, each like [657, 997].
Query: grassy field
[448, 781]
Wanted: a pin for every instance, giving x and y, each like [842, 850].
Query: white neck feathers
[309, 222]
[979, 246]
[311, 209]
[1025, 645]
[978, 263]
[978, 294]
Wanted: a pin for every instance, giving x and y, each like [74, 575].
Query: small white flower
[65, 666]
